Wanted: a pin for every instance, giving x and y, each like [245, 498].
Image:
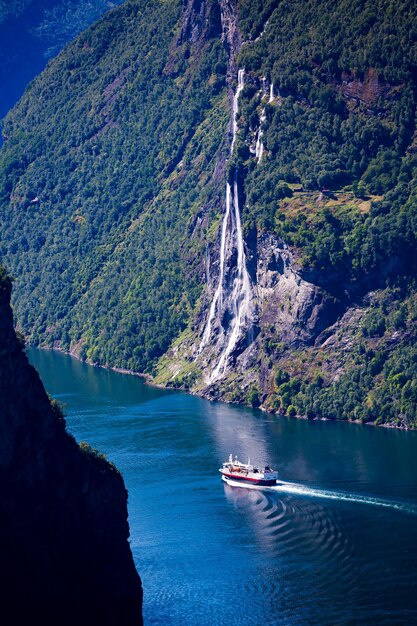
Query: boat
[233, 471]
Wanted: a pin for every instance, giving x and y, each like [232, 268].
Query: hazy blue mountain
[32, 32]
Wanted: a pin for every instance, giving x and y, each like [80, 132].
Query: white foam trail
[298, 489]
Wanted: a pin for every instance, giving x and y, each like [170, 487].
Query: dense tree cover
[254, 15]
[5, 278]
[343, 120]
[111, 182]
[344, 78]
[12, 8]
[50, 9]
[108, 159]
[315, 42]
[33, 31]
[361, 247]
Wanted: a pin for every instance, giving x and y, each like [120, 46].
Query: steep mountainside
[224, 194]
[33, 31]
[115, 169]
[63, 509]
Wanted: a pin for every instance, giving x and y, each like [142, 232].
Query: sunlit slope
[108, 159]
[114, 180]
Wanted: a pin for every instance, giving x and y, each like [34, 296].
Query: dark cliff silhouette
[65, 556]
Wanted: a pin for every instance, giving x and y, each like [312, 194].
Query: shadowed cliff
[34, 31]
[63, 509]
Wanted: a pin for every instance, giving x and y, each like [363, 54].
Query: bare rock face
[63, 509]
[291, 313]
[201, 20]
[291, 308]
[368, 90]
[231, 34]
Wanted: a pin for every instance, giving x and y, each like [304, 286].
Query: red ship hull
[265, 482]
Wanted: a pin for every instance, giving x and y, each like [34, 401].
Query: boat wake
[302, 490]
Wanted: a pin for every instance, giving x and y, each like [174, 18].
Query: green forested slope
[33, 31]
[64, 534]
[345, 120]
[112, 185]
[12, 8]
[95, 202]
[347, 74]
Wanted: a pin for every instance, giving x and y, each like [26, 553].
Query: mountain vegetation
[112, 190]
[344, 120]
[106, 184]
[32, 32]
[345, 116]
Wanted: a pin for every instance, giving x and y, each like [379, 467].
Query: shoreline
[148, 380]
[119, 370]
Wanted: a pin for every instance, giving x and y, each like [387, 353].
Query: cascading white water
[241, 294]
[231, 235]
[216, 303]
[262, 32]
[259, 148]
[240, 86]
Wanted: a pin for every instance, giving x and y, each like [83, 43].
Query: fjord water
[339, 547]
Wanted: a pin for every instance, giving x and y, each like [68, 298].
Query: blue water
[336, 545]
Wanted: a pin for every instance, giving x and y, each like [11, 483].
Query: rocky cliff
[296, 332]
[63, 509]
[290, 313]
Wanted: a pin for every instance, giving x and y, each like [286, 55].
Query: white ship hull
[246, 474]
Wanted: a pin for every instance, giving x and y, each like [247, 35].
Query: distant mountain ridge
[32, 32]
[114, 204]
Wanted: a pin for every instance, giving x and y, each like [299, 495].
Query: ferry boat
[245, 473]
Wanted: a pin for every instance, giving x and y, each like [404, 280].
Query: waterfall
[241, 294]
[240, 299]
[240, 85]
[216, 303]
[259, 148]
[271, 92]
[262, 33]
